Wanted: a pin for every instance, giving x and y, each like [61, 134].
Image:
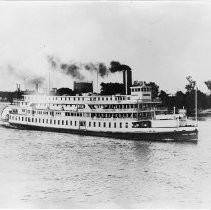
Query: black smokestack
[116, 66]
[127, 80]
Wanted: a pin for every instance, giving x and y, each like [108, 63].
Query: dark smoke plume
[98, 67]
[116, 66]
[72, 69]
[103, 71]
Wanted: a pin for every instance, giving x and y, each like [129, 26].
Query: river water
[55, 170]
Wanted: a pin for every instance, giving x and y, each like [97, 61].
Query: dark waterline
[56, 170]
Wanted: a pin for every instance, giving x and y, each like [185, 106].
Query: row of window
[140, 89]
[72, 123]
[79, 98]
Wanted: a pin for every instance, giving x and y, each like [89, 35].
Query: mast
[97, 79]
[196, 105]
[49, 81]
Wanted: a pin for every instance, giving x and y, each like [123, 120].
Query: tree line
[179, 100]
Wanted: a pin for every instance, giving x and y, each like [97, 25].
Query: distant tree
[164, 98]
[155, 89]
[65, 91]
[112, 88]
[180, 99]
[191, 84]
[208, 84]
[10, 97]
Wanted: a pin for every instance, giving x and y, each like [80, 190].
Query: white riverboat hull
[150, 134]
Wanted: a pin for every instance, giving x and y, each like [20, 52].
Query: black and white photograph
[105, 104]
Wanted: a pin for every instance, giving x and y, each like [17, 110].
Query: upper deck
[93, 99]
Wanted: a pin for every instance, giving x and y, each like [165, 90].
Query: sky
[162, 41]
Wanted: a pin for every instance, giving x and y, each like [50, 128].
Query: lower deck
[100, 125]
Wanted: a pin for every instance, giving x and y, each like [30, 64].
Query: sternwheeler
[134, 115]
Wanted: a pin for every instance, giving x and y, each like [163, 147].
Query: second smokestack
[127, 80]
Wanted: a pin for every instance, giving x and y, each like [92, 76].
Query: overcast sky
[161, 41]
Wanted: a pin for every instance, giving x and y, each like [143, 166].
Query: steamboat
[134, 115]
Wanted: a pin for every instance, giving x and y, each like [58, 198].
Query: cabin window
[109, 124]
[142, 124]
[67, 114]
[104, 124]
[36, 120]
[114, 125]
[29, 119]
[70, 122]
[32, 119]
[75, 123]
[120, 125]
[126, 125]
[54, 121]
[89, 124]
[46, 120]
[82, 123]
[50, 121]
[22, 118]
[94, 124]
[58, 122]
[99, 124]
